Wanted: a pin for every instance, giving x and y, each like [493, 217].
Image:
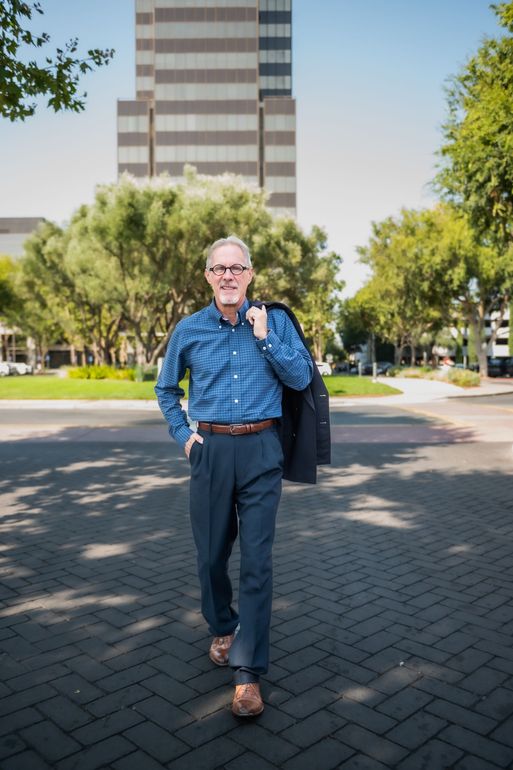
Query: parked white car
[323, 367]
[5, 369]
[19, 367]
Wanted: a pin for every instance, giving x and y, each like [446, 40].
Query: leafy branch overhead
[23, 79]
[476, 170]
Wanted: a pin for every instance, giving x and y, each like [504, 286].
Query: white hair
[222, 242]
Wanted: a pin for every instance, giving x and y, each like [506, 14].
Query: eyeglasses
[234, 269]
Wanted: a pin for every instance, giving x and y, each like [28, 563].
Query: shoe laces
[249, 688]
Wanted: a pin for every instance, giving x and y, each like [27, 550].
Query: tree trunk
[140, 357]
[317, 346]
[43, 347]
[96, 354]
[123, 353]
[482, 359]
[162, 345]
[372, 347]
[413, 360]
[31, 352]
[477, 321]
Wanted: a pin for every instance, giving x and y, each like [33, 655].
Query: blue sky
[368, 79]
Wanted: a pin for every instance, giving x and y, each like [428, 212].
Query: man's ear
[207, 276]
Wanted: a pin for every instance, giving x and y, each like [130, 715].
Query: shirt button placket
[235, 389]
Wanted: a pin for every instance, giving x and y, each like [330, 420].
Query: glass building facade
[213, 90]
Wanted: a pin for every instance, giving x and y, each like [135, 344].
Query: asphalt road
[505, 401]
[469, 419]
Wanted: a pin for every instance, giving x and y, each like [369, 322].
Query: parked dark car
[341, 367]
[381, 368]
[384, 366]
[500, 367]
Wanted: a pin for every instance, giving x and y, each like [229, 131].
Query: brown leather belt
[236, 430]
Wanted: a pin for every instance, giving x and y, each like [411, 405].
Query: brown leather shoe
[247, 701]
[220, 648]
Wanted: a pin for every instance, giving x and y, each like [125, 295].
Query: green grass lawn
[50, 387]
[340, 385]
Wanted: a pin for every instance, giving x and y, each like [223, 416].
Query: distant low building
[14, 231]
[501, 347]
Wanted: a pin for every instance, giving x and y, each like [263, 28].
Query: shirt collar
[214, 312]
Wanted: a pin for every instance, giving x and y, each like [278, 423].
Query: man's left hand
[257, 317]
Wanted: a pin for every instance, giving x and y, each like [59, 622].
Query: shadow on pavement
[392, 626]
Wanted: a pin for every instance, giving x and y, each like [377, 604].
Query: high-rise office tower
[213, 90]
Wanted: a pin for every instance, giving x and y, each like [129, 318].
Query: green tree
[43, 289]
[477, 151]
[156, 238]
[363, 319]
[485, 285]
[296, 268]
[8, 296]
[477, 174]
[70, 297]
[321, 306]
[478, 277]
[9, 299]
[132, 263]
[411, 289]
[22, 81]
[431, 271]
[145, 247]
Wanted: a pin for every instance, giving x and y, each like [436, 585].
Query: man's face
[229, 289]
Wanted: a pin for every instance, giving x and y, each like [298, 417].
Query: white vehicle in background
[5, 369]
[324, 368]
[19, 367]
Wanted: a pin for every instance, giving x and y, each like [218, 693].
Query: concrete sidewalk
[392, 624]
[420, 391]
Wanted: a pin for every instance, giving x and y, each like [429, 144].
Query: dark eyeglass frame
[234, 269]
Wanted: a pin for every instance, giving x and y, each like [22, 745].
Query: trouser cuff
[244, 676]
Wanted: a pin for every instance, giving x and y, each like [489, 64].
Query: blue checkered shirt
[234, 377]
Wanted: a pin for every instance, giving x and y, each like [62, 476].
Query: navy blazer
[305, 422]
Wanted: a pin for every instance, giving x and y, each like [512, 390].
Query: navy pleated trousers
[235, 489]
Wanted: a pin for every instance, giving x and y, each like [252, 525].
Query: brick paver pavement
[392, 626]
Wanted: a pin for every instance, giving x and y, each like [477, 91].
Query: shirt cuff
[182, 435]
[268, 345]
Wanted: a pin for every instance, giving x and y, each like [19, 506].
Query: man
[239, 358]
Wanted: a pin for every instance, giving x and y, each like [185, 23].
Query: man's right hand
[190, 441]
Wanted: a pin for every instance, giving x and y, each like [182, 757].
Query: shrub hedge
[101, 373]
[464, 378]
